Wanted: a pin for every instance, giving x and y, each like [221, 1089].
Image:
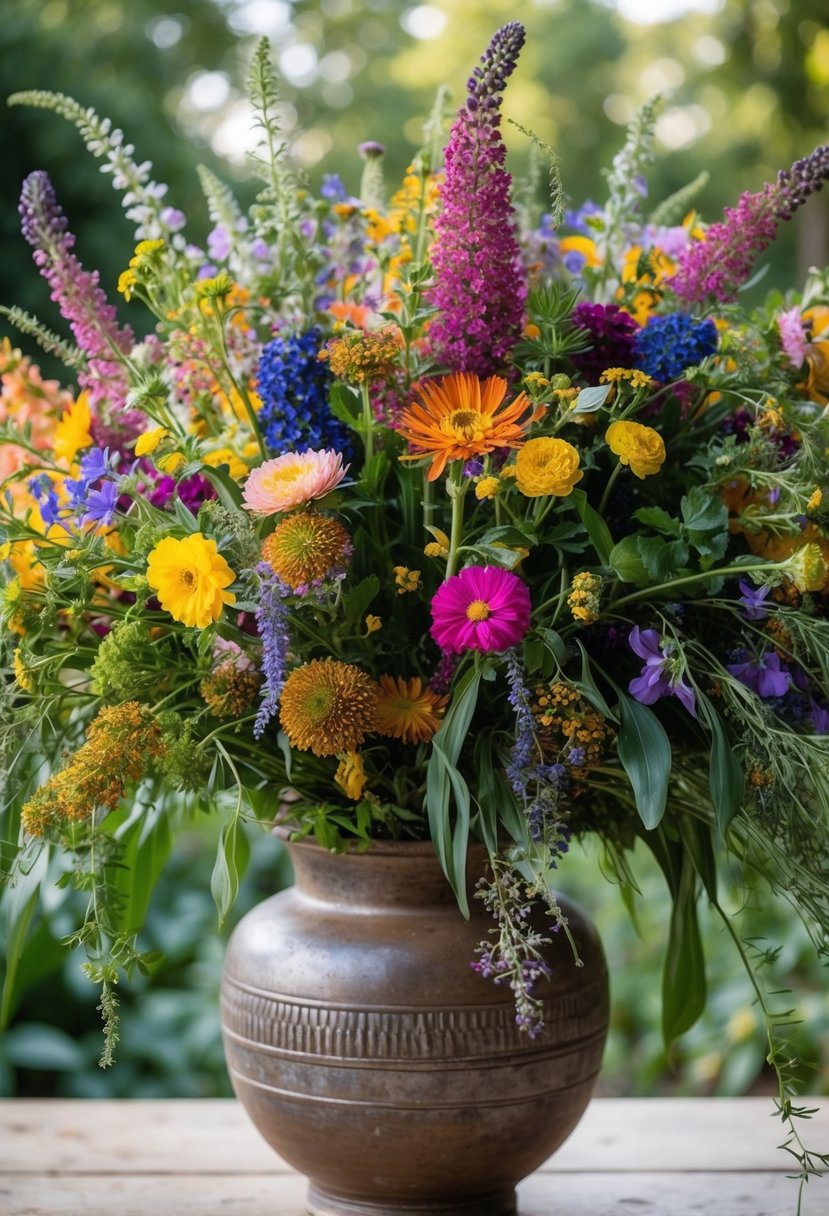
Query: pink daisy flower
[481, 608]
[291, 480]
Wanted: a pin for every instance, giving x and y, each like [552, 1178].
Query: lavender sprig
[272, 622]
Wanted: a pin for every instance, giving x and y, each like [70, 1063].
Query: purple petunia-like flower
[77, 293]
[480, 281]
[753, 601]
[660, 676]
[766, 675]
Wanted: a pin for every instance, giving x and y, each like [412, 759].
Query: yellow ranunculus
[547, 466]
[189, 577]
[639, 446]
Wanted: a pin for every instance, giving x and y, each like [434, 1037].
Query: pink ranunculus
[291, 480]
[482, 608]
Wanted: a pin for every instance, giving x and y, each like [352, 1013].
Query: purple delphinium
[819, 718]
[718, 265]
[765, 675]
[76, 292]
[611, 332]
[662, 674]
[272, 624]
[521, 756]
[480, 281]
[752, 600]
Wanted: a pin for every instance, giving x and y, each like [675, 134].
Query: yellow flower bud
[487, 487]
[149, 441]
[172, 463]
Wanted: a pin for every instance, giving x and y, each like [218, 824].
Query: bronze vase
[373, 1058]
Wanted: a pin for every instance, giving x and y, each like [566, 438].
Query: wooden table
[667, 1157]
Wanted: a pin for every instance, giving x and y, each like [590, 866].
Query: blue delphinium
[667, 345]
[293, 385]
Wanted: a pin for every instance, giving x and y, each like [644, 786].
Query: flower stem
[722, 572]
[608, 490]
[368, 421]
[456, 488]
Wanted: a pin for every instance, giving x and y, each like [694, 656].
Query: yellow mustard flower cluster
[351, 775]
[815, 500]
[781, 638]
[486, 487]
[631, 375]
[121, 742]
[405, 579]
[359, 356]
[144, 259]
[22, 671]
[584, 597]
[566, 721]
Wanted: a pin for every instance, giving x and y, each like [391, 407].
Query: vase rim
[377, 848]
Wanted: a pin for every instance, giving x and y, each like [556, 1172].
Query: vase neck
[404, 874]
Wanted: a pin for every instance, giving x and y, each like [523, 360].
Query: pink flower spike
[291, 480]
[481, 608]
[793, 338]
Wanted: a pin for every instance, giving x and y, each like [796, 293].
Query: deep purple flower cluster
[76, 292]
[720, 264]
[293, 384]
[272, 624]
[480, 281]
[611, 332]
[667, 345]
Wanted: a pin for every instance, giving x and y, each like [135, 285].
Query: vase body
[373, 1058]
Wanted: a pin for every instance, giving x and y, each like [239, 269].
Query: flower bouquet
[430, 514]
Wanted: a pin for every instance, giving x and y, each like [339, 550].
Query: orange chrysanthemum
[306, 547]
[458, 418]
[328, 707]
[408, 710]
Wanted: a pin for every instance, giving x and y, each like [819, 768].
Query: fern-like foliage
[555, 184]
[69, 354]
[672, 209]
[141, 197]
[222, 206]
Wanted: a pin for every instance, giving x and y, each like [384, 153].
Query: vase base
[494, 1203]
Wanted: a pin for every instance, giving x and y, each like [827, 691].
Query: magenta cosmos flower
[291, 480]
[482, 608]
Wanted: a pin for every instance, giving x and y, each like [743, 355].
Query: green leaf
[591, 399]
[507, 534]
[344, 405]
[145, 855]
[444, 780]
[555, 644]
[656, 517]
[19, 905]
[534, 651]
[661, 558]
[627, 563]
[489, 794]
[494, 555]
[229, 492]
[645, 752]
[703, 511]
[597, 529]
[683, 978]
[588, 688]
[358, 598]
[232, 859]
[725, 773]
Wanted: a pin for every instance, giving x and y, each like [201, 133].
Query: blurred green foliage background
[748, 91]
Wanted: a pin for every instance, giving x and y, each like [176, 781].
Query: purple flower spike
[766, 676]
[752, 599]
[661, 676]
[77, 293]
[272, 624]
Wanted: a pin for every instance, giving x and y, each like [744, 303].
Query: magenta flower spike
[480, 281]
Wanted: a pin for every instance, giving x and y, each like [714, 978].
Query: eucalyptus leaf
[591, 399]
[232, 859]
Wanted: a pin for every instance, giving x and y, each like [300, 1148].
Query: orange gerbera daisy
[458, 418]
[408, 709]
